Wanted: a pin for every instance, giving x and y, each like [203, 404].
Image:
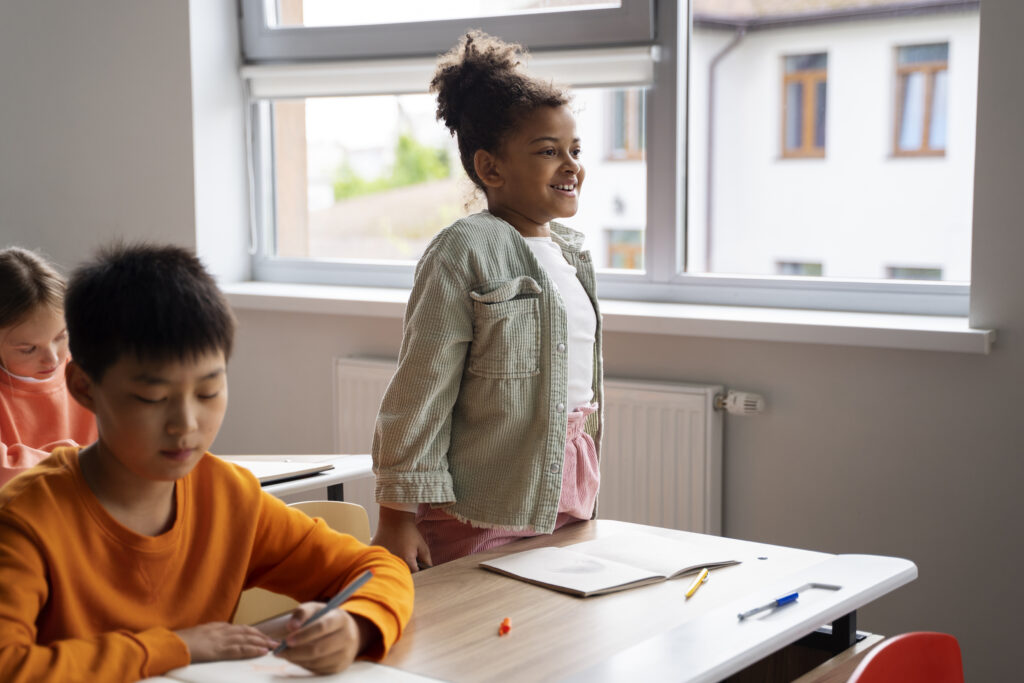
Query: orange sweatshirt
[35, 418]
[84, 598]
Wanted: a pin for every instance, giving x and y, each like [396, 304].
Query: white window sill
[915, 332]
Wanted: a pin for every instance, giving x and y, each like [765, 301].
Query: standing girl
[36, 412]
[488, 430]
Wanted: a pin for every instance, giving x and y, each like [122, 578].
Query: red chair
[921, 656]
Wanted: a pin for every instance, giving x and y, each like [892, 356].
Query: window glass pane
[794, 115]
[914, 54]
[937, 131]
[352, 13]
[912, 121]
[751, 210]
[806, 63]
[819, 113]
[374, 178]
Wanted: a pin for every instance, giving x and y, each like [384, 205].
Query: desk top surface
[453, 634]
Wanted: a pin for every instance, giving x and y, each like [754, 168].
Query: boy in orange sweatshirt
[126, 559]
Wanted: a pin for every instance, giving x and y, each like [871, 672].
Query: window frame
[664, 278]
[631, 23]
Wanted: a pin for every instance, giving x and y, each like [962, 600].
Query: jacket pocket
[506, 329]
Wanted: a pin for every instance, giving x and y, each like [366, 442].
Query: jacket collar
[567, 237]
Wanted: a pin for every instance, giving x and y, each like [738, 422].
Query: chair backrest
[920, 656]
[257, 604]
[349, 518]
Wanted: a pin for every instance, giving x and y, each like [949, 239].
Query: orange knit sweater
[36, 417]
[84, 598]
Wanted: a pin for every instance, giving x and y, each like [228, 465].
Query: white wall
[862, 450]
[95, 124]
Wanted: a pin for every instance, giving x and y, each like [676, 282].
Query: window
[625, 249]
[922, 82]
[352, 175]
[798, 268]
[378, 188]
[913, 273]
[626, 124]
[804, 97]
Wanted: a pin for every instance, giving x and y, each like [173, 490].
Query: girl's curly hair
[482, 95]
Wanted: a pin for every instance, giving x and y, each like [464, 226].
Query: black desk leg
[836, 638]
[336, 492]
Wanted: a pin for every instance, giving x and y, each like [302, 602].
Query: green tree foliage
[414, 163]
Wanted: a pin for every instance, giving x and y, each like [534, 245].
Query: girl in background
[36, 412]
[488, 431]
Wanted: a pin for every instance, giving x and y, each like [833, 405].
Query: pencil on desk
[701, 578]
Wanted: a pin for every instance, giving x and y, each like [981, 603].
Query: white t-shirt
[580, 316]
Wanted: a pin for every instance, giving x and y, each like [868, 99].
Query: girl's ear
[79, 385]
[486, 166]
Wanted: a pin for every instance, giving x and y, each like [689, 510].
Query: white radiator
[661, 455]
[661, 459]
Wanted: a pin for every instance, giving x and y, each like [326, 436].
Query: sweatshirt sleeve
[413, 430]
[113, 656]
[307, 560]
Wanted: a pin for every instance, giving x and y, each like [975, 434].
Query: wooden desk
[453, 634]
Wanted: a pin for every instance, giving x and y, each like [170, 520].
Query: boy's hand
[219, 640]
[329, 644]
[396, 531]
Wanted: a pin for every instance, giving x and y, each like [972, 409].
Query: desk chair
[917, 657]
[257, 604]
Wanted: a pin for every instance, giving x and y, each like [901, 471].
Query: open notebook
[608, 564]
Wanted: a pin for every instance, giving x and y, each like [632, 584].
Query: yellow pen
[701, 578]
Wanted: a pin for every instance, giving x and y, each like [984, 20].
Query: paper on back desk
[271, 668]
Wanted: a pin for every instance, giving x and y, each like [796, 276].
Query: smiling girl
[36, 412]
[488, 430]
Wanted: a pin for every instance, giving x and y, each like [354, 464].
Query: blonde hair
[26, 282]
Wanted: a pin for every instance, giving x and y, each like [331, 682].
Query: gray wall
[862, 450]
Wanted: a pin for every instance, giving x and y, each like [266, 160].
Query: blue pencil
[334, 603]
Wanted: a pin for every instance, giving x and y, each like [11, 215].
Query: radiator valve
[740, 403]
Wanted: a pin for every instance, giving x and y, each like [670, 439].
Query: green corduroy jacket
[474, 419]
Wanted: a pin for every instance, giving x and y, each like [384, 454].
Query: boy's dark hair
[157, 303]
[26, 282]
[482, 95]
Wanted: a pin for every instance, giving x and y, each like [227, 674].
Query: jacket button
[554, 468]
[560, 408]
[560, 347]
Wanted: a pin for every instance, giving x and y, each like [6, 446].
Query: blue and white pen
[777, 602]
